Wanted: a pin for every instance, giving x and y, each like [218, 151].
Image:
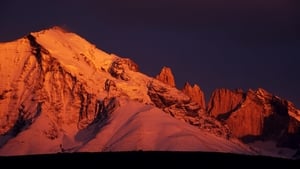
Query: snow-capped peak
[71, 96]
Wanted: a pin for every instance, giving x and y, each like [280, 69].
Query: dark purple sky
[214, 43]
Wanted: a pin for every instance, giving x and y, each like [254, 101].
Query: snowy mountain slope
[59, 93]
[59, 69]
[89, 64]
[131, 127]
[52, 69]
[60, 81]
[136, 126]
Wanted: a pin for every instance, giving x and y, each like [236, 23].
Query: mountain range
[59, 94]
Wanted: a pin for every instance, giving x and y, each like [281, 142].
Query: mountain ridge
[47, 71]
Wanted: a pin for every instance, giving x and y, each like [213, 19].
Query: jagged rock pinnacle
[195, 93]
[166, 76]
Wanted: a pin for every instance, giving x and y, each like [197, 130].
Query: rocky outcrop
[166, 76]
[195, 93]
[223, 101]
[121, 66]
[182, 107]
[105, 108]
[173, 102]
[251, 115]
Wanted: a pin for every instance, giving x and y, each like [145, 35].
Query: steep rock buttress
[255, 115]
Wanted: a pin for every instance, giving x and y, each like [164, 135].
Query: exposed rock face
[173, 102]
[105, 108]
[253, 114]
[182, 107]
[223, 101]
[120, 67]
[166, 76]
[195, 93]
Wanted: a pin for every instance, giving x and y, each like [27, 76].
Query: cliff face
[223, 101]
[166, 76]
[255, 114]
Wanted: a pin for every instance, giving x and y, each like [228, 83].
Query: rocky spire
[166, 76]
[195, 93]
